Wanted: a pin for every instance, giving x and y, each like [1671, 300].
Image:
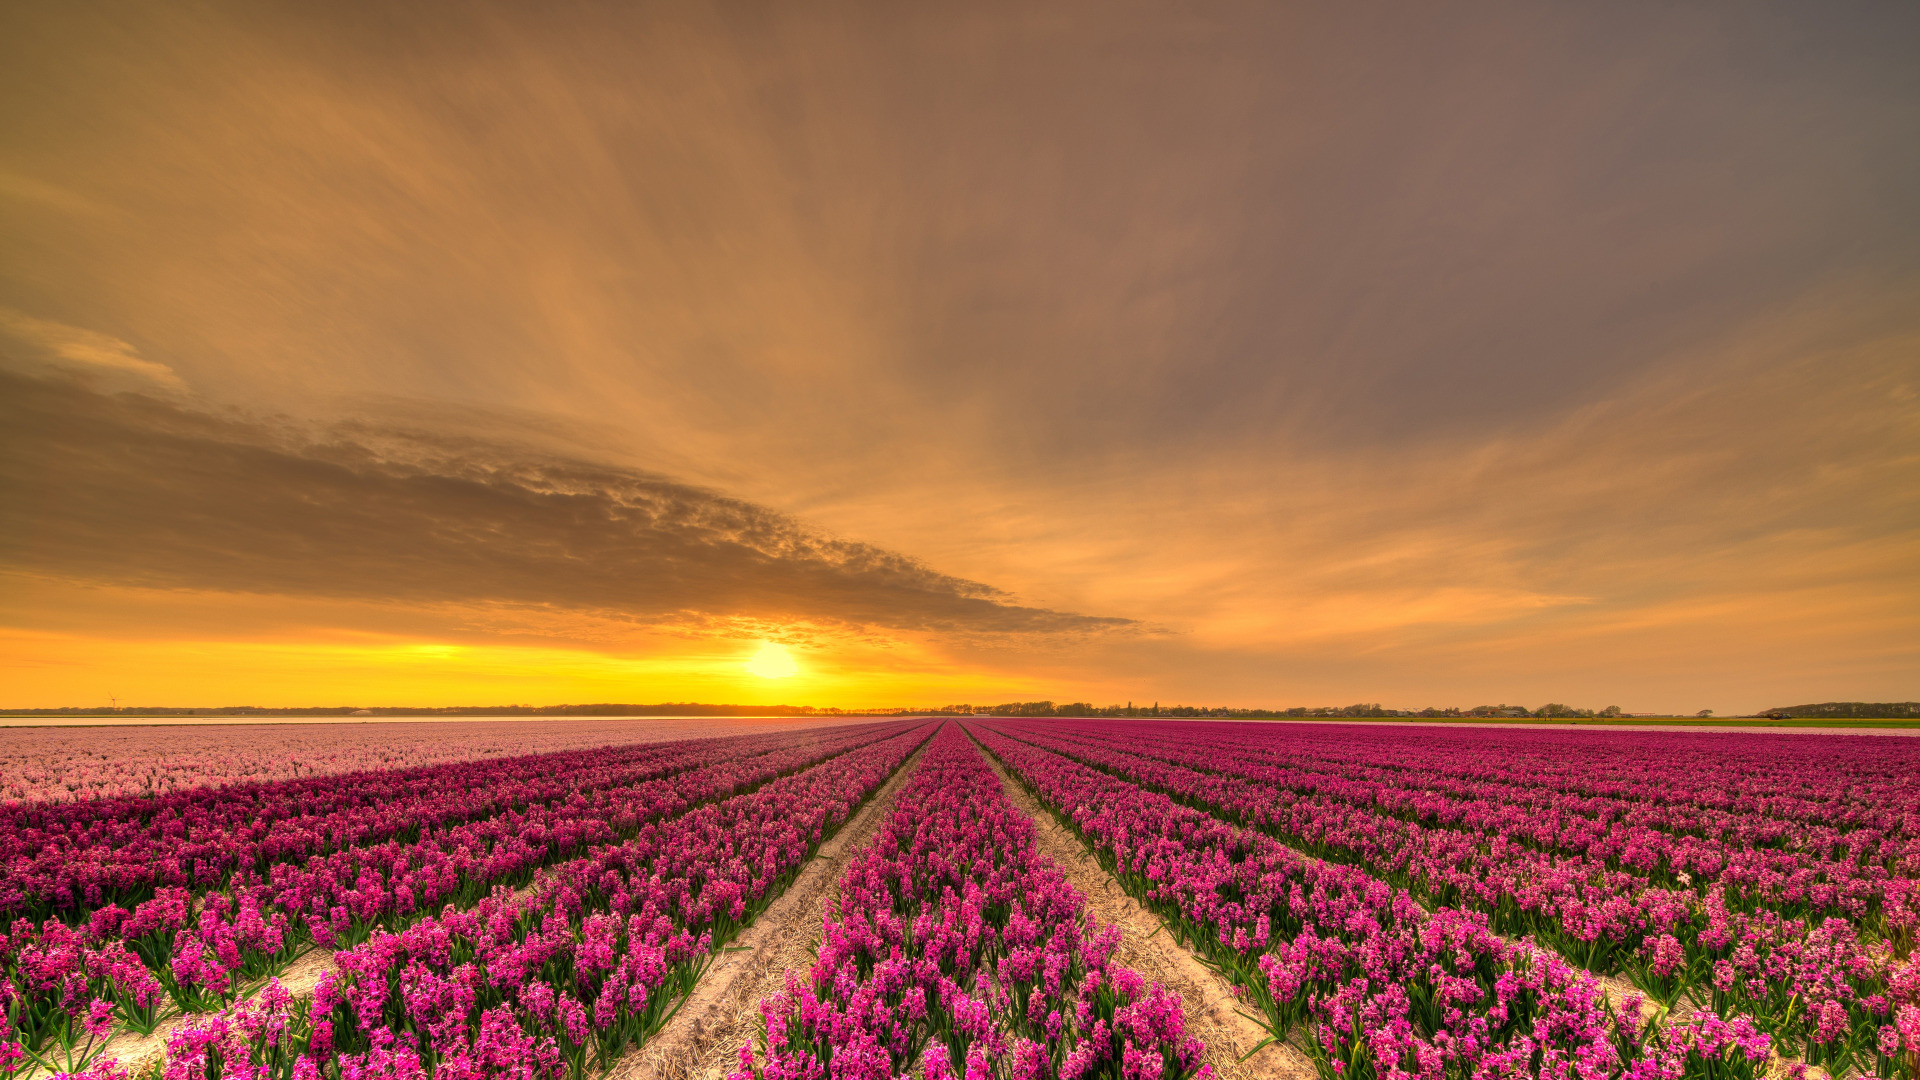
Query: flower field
[44, 764]
[609, 873]
[1442, 903]
[960, 948]
[1390, 902]
[434, 828]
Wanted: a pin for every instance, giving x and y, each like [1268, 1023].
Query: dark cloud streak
[130, 489]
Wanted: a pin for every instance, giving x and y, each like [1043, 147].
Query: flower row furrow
[191, 954]
[1775, 862]
[1577, 897]
[558, 981]
[1816, 985]
[1382, 986]
[958, 948]
[1841, 781]
[1850, 798]
[59, 857]
[93, 764]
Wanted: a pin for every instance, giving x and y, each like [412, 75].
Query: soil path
[303, 975]
[1213, 1011]
[136, 1052]
[300, 979]
[1615, 987]
[703, 1039]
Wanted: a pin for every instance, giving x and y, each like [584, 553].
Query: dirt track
[703, 1039]
[709, 1026]
[701, 1042]
[138, 1051]
[1214, 1014]
[1296, 1063]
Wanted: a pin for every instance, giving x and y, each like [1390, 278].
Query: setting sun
[591, 402]
[773, 662]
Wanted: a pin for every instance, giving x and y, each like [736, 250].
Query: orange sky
[1252, 355]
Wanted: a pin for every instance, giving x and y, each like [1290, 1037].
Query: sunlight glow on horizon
[1261, 356]
[773, 661]
[42, 669]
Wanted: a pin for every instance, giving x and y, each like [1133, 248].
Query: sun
[773, 662]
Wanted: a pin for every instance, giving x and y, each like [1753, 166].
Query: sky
[912, 354]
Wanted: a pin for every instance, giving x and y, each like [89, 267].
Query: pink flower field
[1387, 902]
[40, 764]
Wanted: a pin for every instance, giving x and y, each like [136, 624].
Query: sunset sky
[906, 354]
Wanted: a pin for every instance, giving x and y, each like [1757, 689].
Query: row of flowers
[1816, 985]
[1382, 986]
[1845, 781]
[959, 948]
[1848, 808]
[1795, 867]
[591, 962]
[78, 856]
[178, 953]
[559, 980]
[68, 764]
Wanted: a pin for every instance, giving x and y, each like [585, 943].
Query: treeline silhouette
[1362, 711]
[1851, 710]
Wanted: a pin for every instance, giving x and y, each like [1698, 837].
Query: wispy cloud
[87, 350]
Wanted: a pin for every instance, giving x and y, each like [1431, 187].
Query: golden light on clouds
[1265, 354]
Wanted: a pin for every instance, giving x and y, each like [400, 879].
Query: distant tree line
[1551, 709]
[1087, 708]
[1361, 711]
[1853, 710]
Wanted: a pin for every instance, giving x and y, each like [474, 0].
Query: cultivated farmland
[1371, 902]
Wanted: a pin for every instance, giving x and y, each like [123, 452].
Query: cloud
[132, 490]
[1342, 349]
[86, 350]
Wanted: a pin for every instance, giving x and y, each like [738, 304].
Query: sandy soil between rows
[702, 1041]
[304, 973]
[138, 1051]
[1615, 987]
[1214, 1013]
